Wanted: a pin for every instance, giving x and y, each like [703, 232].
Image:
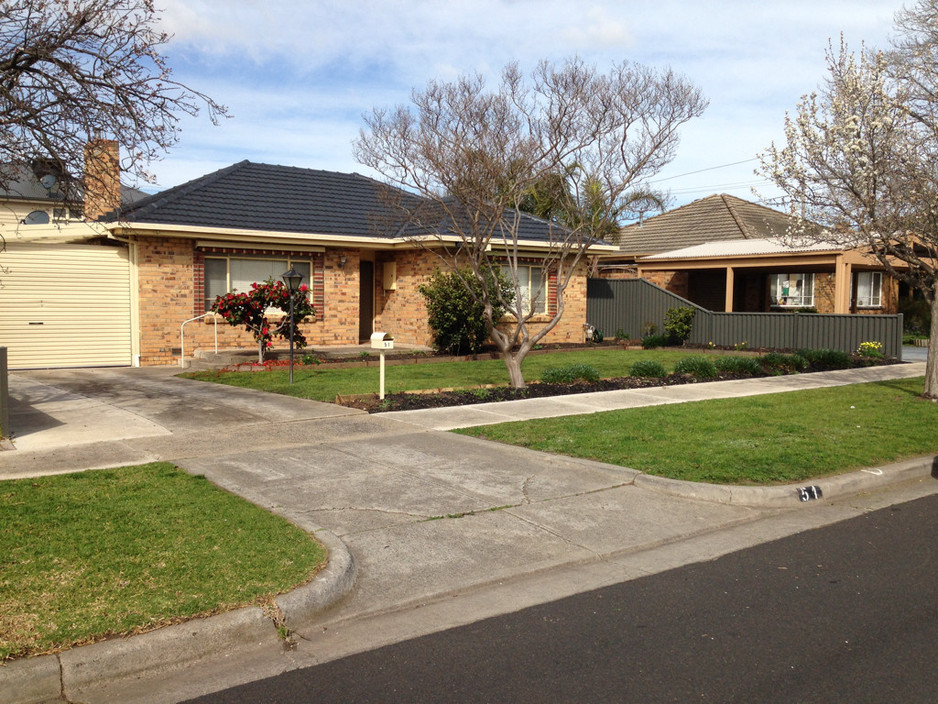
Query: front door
[366, 301]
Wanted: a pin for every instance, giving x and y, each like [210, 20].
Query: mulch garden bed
[413, 400]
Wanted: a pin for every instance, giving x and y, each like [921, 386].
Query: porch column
[730, 285]
[842, 274]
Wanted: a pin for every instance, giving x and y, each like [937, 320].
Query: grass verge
[325, 382]
[775, 438]
[93, 554]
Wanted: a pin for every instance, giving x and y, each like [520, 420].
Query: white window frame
[792, 290]
[527, 273]
[874, 286]
[209, 297]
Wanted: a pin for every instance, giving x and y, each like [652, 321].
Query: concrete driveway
[460, 527]
[422, 511]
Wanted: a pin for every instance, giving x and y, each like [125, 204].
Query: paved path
[427, 516]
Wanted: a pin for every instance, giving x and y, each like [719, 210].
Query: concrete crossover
[424, 513]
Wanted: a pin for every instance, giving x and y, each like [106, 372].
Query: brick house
[249, 222]
[726, 254]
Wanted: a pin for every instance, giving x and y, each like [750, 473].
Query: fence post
[5, 429]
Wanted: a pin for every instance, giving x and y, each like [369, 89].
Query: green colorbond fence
[633, 305]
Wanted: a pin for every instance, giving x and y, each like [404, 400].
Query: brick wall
[824, 292]
[165, 282]
[171, 290]
[339, 325]
[677, 282]
[402, 311]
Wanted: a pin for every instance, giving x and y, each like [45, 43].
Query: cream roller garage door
[65, 305]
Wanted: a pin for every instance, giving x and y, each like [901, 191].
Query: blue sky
[297, 77]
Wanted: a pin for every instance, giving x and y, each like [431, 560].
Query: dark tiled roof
[249, 196]
[711, 219]
[253, 196]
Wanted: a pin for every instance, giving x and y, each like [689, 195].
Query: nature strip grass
[324, 383]
[768, 439]
[93, 554]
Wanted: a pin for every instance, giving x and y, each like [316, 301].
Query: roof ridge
[733, 214]
[668, 213]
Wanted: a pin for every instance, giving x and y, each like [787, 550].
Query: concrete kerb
[788, 495]
[65, 675]
[305, 603]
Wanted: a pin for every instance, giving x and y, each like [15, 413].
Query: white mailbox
[382, 341]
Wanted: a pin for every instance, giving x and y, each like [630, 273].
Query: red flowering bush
[249, 310]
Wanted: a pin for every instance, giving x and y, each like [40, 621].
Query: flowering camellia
[250, 309]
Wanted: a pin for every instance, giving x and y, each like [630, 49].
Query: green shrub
[570, 374]
[648, 368]
[455, 314]
[778, 363]
[824, 360]
[701, 367]
[678, 323]
[738, 365]
[650, 342]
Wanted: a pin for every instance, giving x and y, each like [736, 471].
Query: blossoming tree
[257, 311]
[860, 165]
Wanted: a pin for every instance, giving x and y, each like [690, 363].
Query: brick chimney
[102, 178]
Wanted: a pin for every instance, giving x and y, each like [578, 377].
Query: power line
[700, 171]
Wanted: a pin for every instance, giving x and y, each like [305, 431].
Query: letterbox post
[381, 341]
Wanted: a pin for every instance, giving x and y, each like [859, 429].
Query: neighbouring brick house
[249, 222]
[726, 254]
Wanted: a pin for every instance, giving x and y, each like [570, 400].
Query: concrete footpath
[426, 529]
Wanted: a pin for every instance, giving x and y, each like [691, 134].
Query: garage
[65, 305]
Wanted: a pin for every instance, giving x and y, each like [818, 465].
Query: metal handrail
[182, 339]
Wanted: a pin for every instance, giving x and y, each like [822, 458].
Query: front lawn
[767, 439]
[325, 382]
[92, 554]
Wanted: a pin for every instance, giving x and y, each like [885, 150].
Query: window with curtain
[532, 287]
[869, 289]
[225, 274]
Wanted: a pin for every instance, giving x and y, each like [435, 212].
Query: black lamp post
[292, 279]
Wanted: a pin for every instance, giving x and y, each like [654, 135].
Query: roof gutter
[226, 236]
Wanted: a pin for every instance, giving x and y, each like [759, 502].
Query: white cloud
[298, 76]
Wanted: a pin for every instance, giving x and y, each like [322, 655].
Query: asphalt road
[846, 613]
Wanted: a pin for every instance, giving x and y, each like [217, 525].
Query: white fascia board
[70, 232]
[258, 237]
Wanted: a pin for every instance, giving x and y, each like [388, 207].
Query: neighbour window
[532, 288]
[869, 289]
[792, 290]
[224, 274]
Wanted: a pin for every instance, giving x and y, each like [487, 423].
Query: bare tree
[860, 169]
[474, 156]
[75, 70]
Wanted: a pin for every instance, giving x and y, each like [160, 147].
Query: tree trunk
[513, 365]
[261, 349]
[931, 363]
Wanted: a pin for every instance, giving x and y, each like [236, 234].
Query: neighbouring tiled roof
[250, 196]
[26, 186]
[741, 248]
[711, 219]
